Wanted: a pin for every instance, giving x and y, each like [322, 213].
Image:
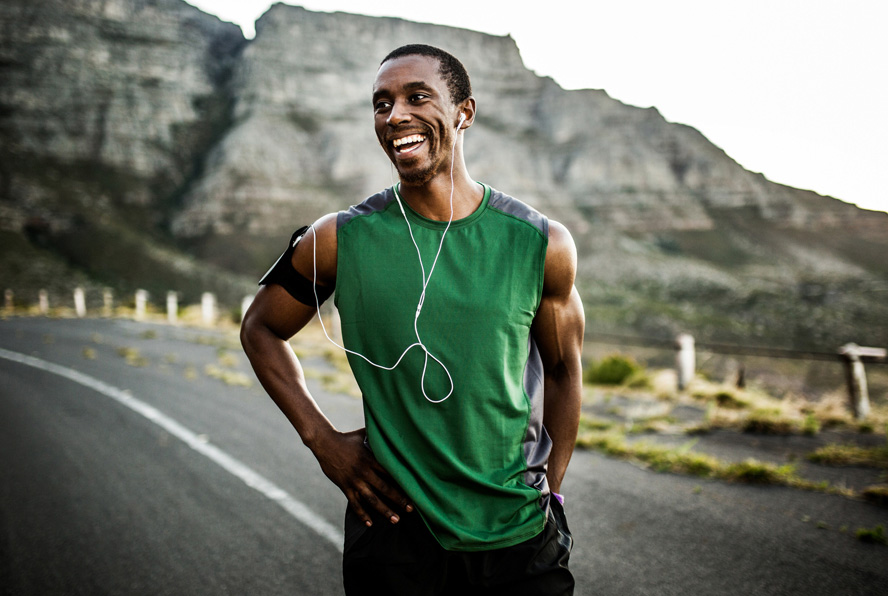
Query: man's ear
[467, 113]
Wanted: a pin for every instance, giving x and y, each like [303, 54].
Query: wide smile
[408, 145]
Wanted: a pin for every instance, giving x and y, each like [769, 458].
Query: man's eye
[418, 96]
[381, 105]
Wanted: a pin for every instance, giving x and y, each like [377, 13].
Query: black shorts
[404, 559]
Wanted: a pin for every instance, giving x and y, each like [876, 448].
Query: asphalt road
[213, 493]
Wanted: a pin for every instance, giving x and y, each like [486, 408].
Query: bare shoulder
[561, 260]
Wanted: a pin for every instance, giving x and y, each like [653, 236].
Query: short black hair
[451, 70]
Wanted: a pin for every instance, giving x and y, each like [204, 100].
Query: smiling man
[464, 331]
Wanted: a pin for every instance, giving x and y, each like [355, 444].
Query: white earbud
[462, 118]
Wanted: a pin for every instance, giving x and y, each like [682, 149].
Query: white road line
[253, 479]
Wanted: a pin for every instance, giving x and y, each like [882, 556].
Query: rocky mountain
[144, 139]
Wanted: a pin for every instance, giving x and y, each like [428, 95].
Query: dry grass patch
[229, 377]
[754, 411]
[132, 356]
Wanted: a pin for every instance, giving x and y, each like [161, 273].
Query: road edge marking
[250, 477]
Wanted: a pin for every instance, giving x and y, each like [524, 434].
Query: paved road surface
[95, 498]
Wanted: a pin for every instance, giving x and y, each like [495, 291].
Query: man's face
[415, 118]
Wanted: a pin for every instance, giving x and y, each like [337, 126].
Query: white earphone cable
[425, 284]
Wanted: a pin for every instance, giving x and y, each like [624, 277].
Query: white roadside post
[43, 301]
[141, 304]
[858, 393]
[208, 308]
[172, 307]
[79, 302]
[685, 360]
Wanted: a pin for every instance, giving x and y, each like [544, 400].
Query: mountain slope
[133, 124]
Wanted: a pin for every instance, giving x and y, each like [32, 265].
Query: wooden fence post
[858, 393]
[685, 360]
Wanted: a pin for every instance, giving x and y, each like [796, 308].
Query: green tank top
[475, 463]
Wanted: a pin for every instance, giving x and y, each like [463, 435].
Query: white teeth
[411, 139]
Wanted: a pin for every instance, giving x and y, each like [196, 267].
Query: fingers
[372, 490]
[347, 461]
[390, 491]
[377, 493]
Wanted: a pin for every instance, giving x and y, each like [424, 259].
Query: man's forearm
[282, 377]
[563, 397]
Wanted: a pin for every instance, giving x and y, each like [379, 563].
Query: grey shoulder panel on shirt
[371, 204]
[518, 209]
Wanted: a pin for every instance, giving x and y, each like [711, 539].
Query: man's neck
[432, 200]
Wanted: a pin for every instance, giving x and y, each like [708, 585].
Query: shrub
[612, 370]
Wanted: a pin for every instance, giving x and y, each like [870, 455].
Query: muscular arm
[558, 330]
[271, 320]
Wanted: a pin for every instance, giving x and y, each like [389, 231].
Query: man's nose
[400, 114]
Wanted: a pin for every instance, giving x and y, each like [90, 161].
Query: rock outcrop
[147, 122]
[107, 102]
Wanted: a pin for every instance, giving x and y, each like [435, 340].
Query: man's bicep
[558, 330]
[559, 324]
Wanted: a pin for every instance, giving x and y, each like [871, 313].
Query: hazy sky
[795, 89]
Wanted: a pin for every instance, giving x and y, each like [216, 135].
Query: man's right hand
[347, 461]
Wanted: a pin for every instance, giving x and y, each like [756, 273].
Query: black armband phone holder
[297, 285]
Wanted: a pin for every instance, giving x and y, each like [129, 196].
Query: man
[464, 331]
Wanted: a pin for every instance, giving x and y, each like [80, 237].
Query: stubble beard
[435, 164]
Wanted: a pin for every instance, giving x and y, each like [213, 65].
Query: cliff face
[303, 136]
[148, 121]
[106, 103]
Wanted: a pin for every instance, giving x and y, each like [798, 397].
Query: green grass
[811, 425]
[877, 495]
[768, 422]
[851, 455]
[615, 369]
[682, 460]
[729, 400]
[875, 535]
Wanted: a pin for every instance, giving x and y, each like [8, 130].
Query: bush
[613, 370]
